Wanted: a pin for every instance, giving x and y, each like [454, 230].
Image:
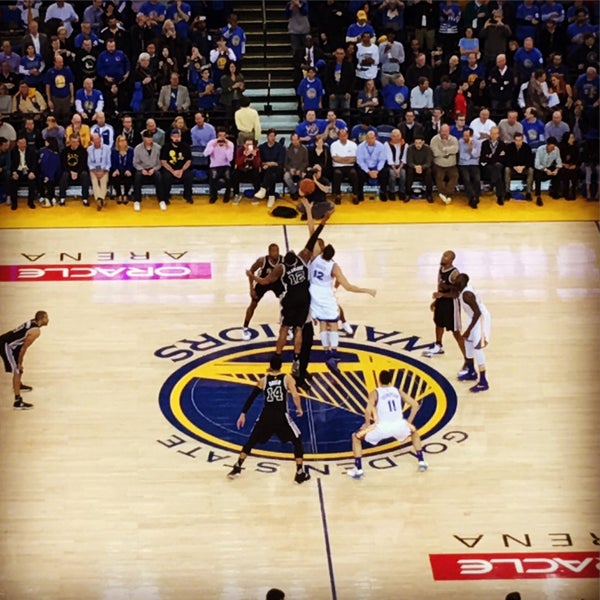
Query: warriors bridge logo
[203, 398]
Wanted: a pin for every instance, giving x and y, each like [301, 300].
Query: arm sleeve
[312, 240]
[251, 398]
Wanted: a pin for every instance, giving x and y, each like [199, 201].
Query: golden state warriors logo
[203, 398]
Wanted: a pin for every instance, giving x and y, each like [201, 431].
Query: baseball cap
[175, 131]
[361, 14]
[381, 39]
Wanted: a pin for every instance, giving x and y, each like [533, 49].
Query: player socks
[358, 463]
[482, 378]
[419, 454]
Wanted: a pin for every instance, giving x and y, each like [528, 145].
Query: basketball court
[114, 487]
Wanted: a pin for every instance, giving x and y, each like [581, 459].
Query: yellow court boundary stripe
[370, 212]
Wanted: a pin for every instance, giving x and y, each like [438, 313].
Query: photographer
[220, 152]
[246, 169]
[318, 197]
[494, 35]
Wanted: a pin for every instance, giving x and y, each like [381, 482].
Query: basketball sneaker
[467, 376]
[347, 328]
[480, 387]
[332, 365]
[246, 335]
[355, 473]
[296, 368]
[26, 388]
[234, 472]
[435, 349]
[423, 466]
[301, 477]
[20, 405]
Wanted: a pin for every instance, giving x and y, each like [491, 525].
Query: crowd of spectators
[454, 91]
[119, 94]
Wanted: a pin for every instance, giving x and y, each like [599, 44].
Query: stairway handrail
[264, 25]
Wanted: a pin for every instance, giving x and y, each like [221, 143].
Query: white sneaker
[236, 199]
[435, 349]
[355, 473]
[262, 192]
[423, 466]
[255, 202]
[163, 205]
[445, 198]
[347, 328]
[246, 335]
[137, 206]
[271, 202]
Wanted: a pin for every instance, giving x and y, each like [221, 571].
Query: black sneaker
[234, 472]
[539, 201]
[26, 388]
[528, 196]
[301, 477]
[20, 405]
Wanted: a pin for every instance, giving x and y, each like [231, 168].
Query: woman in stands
[121, 169]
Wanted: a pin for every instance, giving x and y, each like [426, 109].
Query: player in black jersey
[262, 268]
[13, 346]
[295, 303]
[274, 418]
[446, 306]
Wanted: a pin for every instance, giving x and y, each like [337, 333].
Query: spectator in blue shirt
[156, 12]
[371, 158]
[395, 97]
[310, 128]
[473, 67]
[88, 101]
[60, 89]
[235, 36]
[527, 20]
[86, 34]
[448, 29]
[180, 13]
[113, 66]
[527, 59]
[32, 67]
[552, 10]
[202, 132]
[310, 91]
[355, 31]
[534, 130]
[577, 29]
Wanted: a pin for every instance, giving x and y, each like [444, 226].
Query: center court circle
[204, 397]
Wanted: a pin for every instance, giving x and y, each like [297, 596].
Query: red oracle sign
[105, 272]
[538, 565]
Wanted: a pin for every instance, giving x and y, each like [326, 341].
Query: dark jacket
[346, 82]
[488, 157]
[31, 160]
[518, 158]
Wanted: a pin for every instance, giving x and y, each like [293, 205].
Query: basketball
[307, 186]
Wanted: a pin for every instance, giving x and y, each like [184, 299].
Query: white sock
[324, 335]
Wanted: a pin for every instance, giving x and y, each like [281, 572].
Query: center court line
[326, 536]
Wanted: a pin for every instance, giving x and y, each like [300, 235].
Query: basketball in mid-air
[307, 186]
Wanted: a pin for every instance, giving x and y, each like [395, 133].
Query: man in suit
[492, 159]
[40, 41]
[23, 162]
[174, 97]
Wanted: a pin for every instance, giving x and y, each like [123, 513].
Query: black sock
[299, 468]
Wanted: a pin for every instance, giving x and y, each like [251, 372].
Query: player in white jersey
[476, 335]
[384, 420]
[323, 303]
